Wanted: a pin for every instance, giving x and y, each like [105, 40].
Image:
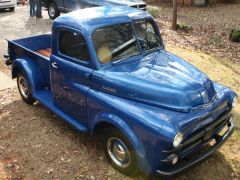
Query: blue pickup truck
[108, 72]
[55, 7]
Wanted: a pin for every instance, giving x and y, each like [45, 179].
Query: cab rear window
[73, 45]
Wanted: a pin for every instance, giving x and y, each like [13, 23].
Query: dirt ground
[210, 28]
[15, 25]
[35, 144]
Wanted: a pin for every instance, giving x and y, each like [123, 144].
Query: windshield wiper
[124, 58]
[151, 50]
[126, 44]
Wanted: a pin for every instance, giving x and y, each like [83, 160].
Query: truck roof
[89, 19]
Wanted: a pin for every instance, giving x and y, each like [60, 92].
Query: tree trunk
[174, 22]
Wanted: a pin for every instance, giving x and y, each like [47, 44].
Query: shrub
[235, 35]
[154, 11]
[184, 27]
[216, 40]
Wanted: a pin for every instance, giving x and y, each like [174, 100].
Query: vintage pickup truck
[55, 7]
[108, 72]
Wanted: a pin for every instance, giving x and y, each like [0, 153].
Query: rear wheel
[24, 89]
[119, 152]
[53, 11]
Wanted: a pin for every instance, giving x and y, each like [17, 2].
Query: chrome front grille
[140, 6]
[202, 135]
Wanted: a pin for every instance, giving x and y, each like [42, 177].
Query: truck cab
[55, 7]
[108, 72]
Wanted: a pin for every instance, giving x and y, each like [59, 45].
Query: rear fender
[30, 70]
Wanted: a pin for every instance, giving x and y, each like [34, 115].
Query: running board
[45, 97]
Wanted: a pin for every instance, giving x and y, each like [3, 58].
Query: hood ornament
[206, 106]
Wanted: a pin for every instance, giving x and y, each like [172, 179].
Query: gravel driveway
[14, 25]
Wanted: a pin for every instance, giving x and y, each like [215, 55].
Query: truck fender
[127, 131]
[30, 70]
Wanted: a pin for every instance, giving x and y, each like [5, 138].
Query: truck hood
[159, 79]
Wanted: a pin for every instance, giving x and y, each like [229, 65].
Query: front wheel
[12, 8]
[119, 152]
[24, 89]
[53, 11]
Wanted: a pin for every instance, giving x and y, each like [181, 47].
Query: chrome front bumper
[220, 140]
[5, 6]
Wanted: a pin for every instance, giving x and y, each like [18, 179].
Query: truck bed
[37, 49]
[35, 44]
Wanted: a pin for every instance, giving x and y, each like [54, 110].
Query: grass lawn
[226, 164]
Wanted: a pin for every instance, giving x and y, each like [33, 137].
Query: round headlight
[177, 139]
[173, 158]
[235, 102]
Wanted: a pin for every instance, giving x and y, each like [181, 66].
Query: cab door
[60, 4]
[70, 70]
[71, 5]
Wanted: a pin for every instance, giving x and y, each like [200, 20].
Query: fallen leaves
[49, 170]
[3, 173]
[211, 28]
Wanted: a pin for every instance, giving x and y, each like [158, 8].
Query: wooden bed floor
[45, 52]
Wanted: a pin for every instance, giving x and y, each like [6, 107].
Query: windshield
[146, 34]
[118, 42]
[115, 42]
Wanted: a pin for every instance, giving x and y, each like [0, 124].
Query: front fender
[30, 70]
[127, 131]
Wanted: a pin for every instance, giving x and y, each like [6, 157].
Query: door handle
[66, 88]
[54, 64]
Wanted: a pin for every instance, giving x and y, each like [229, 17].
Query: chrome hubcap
[118, 152]
[23, 87]
[51, 11]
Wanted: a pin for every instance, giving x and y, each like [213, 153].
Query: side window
[73, 44]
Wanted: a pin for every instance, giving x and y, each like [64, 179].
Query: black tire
[12, 8]
[26, 96]
[132, 167]
[53, 11]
